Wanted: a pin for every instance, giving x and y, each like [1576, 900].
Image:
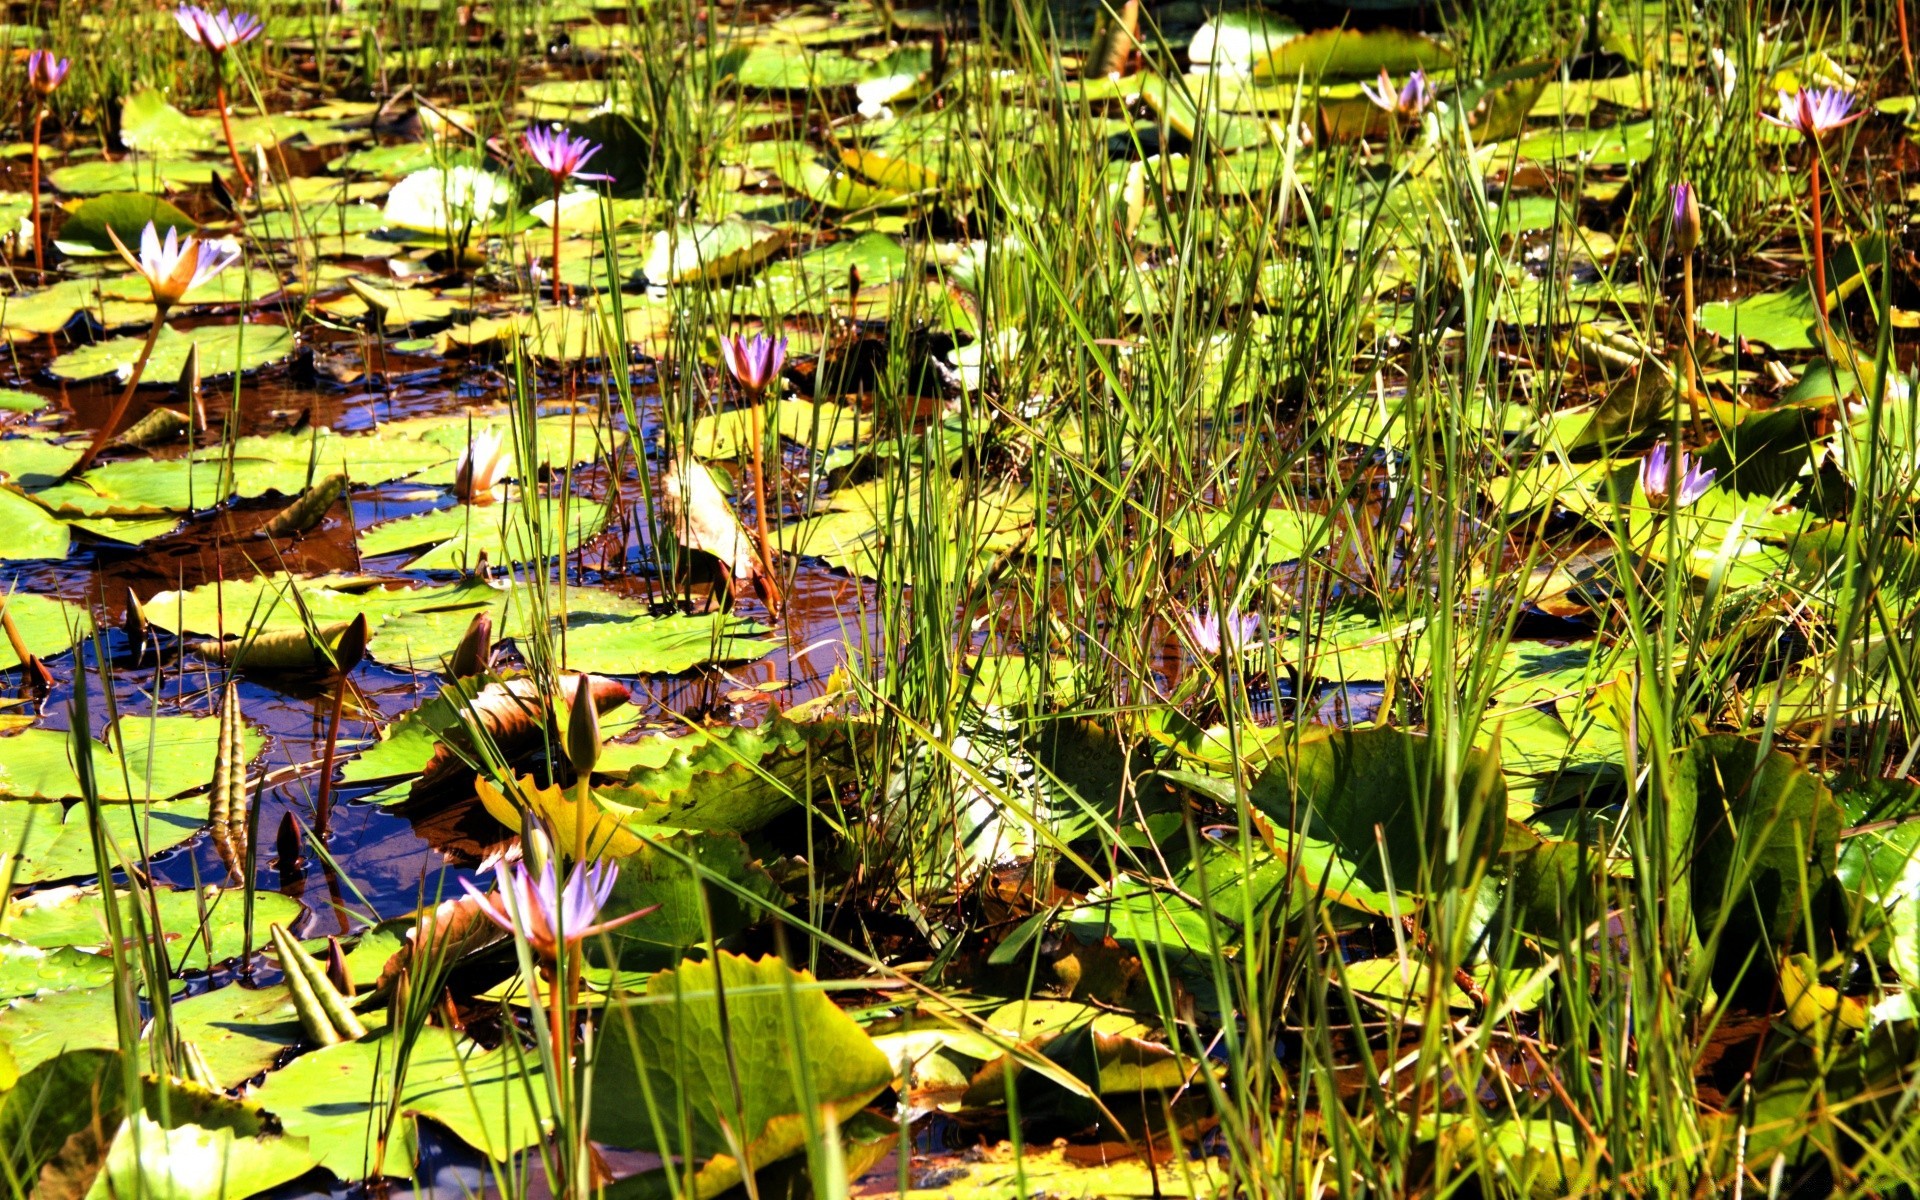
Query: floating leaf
[56, 841]
[1765, 842]
[686, 253]
[189, 921]
[145, 758]
[1351, 54]
[1376, 792]
[126, 214]
[672, 1058]
[335, 1097]
[224, 350]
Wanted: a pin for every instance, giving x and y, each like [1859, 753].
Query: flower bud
[474, 654]
[583, 728]
[1686, 218]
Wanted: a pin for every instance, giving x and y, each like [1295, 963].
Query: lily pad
[720, 1080]
[334, 1097]
[190, 922]
[126, 214]
[146, 758]
[224, 350]
[56, 842]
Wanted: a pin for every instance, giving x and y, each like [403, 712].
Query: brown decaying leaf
[441, 937]
[702, 519]
[514, 714]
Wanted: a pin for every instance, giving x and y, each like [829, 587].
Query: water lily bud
[337, 973]
[1686, 218]
[352, 646]
[474, 654]
[583, 728]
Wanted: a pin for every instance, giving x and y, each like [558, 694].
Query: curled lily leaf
[277, 649]
[160, 425]
[307, 511]
[325, 1015]
[228, 806]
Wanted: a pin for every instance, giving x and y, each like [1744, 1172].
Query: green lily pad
[31, 532]
[493, 1100]
[190, 921]
[688, 253]
[1765, 844]
[194, 1162]
[46, 625]
[36, 1029]
[722, 1079]
[56, 843]
[224, 350]
[1781, 319]
[1351, 54]
[162, 757]
[1351, 785]
[454, 539]
[135, 173]
[126, 214]
[28, 970]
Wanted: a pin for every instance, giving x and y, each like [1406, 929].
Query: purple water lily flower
[1410, 100]
[218, 32]
[754, 361]
[45, 72]
[1212, 634]
[1814, 111]
[547, 915]
[561, 154]
[1658, 467]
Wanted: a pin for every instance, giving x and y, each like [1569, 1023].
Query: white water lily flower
[437, 201]
[484, 465]
[175, 266]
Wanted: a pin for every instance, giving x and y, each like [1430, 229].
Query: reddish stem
[120, 410]
[39, 255]
[556, 241]
[226, 127]
[1906, 45]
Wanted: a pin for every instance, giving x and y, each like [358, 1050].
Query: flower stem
[39, 255]
[1691, 371]
[556, 241]
[758, 423]
[120, 409]
[226, 127]
[1906, 44]
[1819, 256]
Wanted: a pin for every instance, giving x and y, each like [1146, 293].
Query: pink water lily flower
[1657, 468]
[1212, 634]
[218, 32]
[176, 266]
[561, 154]
[1410, 100]
[1815, 111]
[45, 72]
[754, 361]
[545, 914]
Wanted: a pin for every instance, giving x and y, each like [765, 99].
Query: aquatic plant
[1814, 113]
[561, 155]
[1407, 101]
[171, 267]
[1664, 474]
[45, 73]
[218, 33]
